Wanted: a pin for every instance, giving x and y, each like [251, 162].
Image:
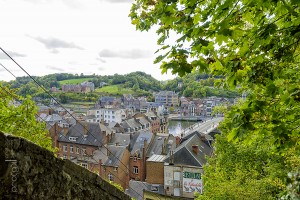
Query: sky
[74, 36]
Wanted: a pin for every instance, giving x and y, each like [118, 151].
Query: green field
[74, 81]
[115, 90]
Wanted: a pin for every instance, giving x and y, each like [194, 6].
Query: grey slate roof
[184, 154]
[99, 154]
[123, 139]
[142, 120]
[156, 146]
[151, 115]
[53, 118]
[115, 155]
[130, 123]
[136, 189]
[139, 144]
[93, 135]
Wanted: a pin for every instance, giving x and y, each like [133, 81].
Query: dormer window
[73, 139]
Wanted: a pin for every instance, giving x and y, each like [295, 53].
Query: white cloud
[127, 54]
[11, 53]
[54, 43]
[59, 31]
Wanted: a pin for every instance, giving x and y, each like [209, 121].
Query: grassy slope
[115, 90]
[74, 81]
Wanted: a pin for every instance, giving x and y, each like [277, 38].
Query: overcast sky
[74, 36]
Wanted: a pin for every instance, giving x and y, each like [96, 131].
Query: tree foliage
[199, 85]
[254, 45]
[17, 117]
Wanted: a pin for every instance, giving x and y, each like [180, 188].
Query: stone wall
[28, 171]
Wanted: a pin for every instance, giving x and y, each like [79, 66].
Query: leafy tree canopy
[17, 117]
[254, 44]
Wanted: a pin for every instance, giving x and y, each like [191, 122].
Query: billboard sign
[192, 182]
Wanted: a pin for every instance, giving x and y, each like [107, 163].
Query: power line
[55, 129]
[67, 112]
[15, 98]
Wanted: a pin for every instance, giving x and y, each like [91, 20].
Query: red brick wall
[141, 169]
[155, 172]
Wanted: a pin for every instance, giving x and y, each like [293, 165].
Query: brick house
[79, 143]
[137, 160]
[154, 122]
[115, 168]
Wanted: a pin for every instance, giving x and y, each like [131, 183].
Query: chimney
[162, 149]
[178, 139]
[65, 129]
[203, 138]
[195, 148]
[171, 160]
[85, 129]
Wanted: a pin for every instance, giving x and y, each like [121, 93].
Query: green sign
[191, 175]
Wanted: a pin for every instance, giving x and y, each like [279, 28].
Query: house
[150, 106]
[183, 167]
[87, 86]
[154, 122]
[155, 170]
[81, 139]
[161, 144]
[137, 190]
[83, 87]
[115, 168]
[137, 160]
[143, 120]
[168, 98]
[106, 114]
[159, 147]
[45, 110]
[131, 125]
[71, 88]
[104, 101]
[133, 103]
[163, 122]
[92, 162]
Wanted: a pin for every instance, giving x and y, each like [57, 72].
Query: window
[65, 148]
[134, 158]
[113, 117]
[115, 168]
[71, 149]
[154, 188]
[83, 150]
[135, 170]
[65, 157]
[77, 150]
[113, 112]
[110, 177]
[85, 165]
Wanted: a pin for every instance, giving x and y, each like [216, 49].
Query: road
[203, 127]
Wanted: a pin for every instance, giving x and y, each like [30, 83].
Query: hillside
[135, 83]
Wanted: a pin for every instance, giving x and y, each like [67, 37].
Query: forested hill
[139, 83]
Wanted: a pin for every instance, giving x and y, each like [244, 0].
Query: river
[176, 126]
